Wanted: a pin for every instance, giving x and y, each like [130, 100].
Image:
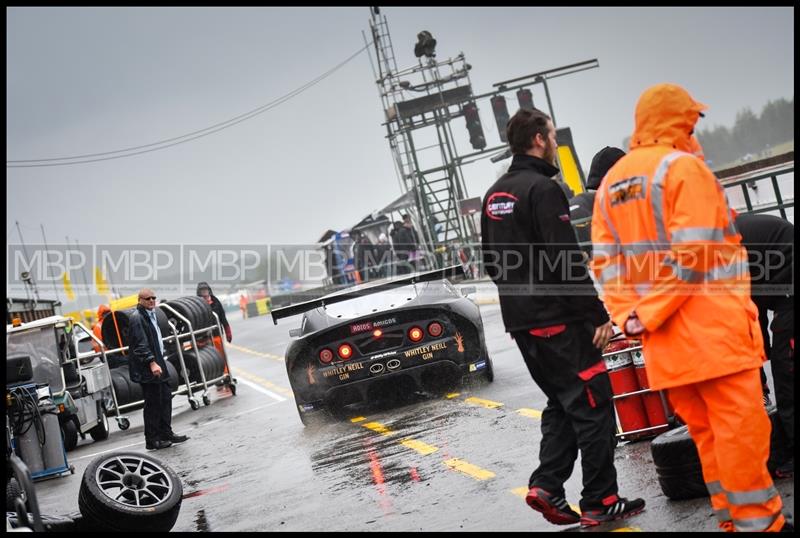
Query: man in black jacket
[581, 206]
[148, 367]
[550, 307]
[204, 291]
[769, 241]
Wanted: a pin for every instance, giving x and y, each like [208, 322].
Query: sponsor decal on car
[426, 351]
[382, 355]
[310, 373]
[370, 325]
[459, 343]
[475, 366]
[344, 371]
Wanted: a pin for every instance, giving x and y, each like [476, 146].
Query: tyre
[130, 492]
[674, 448]
[121, 386]
[313, 419]
[489, 373]
[13, 492]
[688, 485]
[172, 373]
[100, 432]
[69, 433]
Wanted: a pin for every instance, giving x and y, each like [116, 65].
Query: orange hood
[102, 310]
[665, 115]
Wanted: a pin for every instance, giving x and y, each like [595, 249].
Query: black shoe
[156, 445]
[787, 527]
[555, 509]
[619, 509]
[178, 438]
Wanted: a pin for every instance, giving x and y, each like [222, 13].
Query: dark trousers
[578, 416]
[157, 411]
[782, 358]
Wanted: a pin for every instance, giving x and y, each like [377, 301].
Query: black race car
[413, 333]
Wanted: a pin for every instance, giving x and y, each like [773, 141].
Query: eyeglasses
[153, 298]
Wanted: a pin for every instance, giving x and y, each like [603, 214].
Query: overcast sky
[90, 80]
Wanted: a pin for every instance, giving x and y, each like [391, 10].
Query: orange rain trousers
[731, 429]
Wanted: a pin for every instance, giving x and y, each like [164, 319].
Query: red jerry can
[653, 404]
[631, 414]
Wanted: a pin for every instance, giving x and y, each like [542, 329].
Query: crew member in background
[243, 304]
[383, 256]
[550, 308]
[204, 291]
[580, 206]
[770, 244]
[673, 272]
[97, 329]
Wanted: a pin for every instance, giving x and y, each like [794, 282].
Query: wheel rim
[133, 481]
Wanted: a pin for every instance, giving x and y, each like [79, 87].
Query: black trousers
[578, 416]
[157, 411]
[782, 358]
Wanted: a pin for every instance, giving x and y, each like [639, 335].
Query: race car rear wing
[454, 272]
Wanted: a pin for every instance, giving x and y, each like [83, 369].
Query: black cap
[601, 164]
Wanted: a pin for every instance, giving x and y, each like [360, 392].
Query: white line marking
[261, 389]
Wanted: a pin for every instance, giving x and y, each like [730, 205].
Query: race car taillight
[415, 334]
[345, 351]
[326, 355]
[435, 329]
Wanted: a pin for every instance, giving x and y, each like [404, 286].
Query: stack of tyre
[199, 315]
[678, 464]
[208, 359]
[128, 391]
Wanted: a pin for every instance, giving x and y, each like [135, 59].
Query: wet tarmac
[430, 462]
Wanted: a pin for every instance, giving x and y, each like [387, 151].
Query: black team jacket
[531, 253]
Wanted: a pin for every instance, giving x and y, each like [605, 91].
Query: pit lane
[458, 461]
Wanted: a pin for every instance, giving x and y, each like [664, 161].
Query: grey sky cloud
[86, 80]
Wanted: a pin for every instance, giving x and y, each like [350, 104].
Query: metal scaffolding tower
[419, 103]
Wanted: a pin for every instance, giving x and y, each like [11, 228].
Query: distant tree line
[751, 133]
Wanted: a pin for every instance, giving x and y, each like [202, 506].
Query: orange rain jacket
[97, 328]
[664, 246]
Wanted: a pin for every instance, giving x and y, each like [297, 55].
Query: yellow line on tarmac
[260, 380]
[531, 413]
[378, 427]
[484, 403]
[419, 446]
[627, 529]
[257, 353]
[468, 469]
[452, 395]
[424, 448]
[520, 492]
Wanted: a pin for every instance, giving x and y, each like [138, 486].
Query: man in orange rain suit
[97, 329]
[674, 273]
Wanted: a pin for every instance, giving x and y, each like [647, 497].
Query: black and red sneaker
[613, 508]
[555, 509]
